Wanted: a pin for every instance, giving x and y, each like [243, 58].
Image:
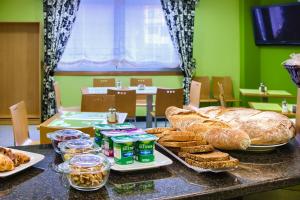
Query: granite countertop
[257, 172]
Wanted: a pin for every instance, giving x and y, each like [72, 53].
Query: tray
[160, 161]
[34, 158]
[264, 148]
[197, 169]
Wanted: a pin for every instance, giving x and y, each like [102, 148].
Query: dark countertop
[257, 172]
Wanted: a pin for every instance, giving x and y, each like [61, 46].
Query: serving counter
[257, 172]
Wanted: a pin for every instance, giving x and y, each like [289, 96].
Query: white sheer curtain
[119, 34]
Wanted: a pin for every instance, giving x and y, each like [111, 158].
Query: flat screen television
[277, 24]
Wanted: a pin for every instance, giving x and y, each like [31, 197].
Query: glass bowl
[70, 148]
[64, 135]
[86, 172]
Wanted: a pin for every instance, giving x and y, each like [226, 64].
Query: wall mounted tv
[277, 24]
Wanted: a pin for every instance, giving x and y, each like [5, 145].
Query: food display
[9, 159]
[233, 128]
[86, 172]
[193, 150]
[64, 135]
[70, 148]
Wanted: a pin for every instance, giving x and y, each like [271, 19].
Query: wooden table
[275, 107]
[79, 119]
[148, 91]
[265, 95]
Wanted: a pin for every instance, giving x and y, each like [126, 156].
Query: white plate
[197, 169]
[34, 158]
[262, 148]
[160, 161]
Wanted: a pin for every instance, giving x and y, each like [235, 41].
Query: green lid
[145, 137]
[123, 139]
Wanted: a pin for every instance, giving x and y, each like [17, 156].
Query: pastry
[6, 164]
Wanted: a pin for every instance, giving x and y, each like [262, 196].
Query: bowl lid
[65, 134]
[88, 160]
[78, 144]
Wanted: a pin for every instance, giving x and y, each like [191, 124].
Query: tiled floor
[6, 133]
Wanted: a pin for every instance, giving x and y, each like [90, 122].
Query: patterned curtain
[179, 16]
[59, 16]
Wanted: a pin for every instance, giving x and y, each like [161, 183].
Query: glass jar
[74, 147]
[64, 135]
[112, 116]
[86, 172]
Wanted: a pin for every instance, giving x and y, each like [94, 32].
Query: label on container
[123, 150]
[144, 151]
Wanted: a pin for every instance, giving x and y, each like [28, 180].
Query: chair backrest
[57, 95]
[227, 86]
[205, 86]
[20, 123]
[125, 101]
[97, 102]
[195, 91]
[45, 129]
[104, 82]
[166, 98]
[137, 81]
[221, 95]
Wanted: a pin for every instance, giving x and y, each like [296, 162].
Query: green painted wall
[217, 39]
[272, 72]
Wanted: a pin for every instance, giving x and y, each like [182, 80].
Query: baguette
[179, 136]
[228, 139]
[6, 164]
[232, 162]
[206, 157]
[179, 144]
[197, 149]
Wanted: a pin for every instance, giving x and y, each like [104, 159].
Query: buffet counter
[257, 172]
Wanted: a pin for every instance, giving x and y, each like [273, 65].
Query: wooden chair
[205, 89]
[221, 95]
[195, 91]
[59, 106]
[104, 82]
[141, 100]
[45, 129]
[97, 102]
[125, 101]
[20, 125]
[164, 99]
[227, 87]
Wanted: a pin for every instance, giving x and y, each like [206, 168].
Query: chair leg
[165, 122]
[155, 121]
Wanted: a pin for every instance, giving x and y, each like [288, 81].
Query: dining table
[266, 95]
[148, 91]
[70, 119]
[257, 172]
[275, 107]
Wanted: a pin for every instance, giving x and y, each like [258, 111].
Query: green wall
[217, 39]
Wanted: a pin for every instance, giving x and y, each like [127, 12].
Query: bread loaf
[228, 139]
[181, 136]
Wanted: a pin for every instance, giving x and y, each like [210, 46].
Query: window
[119, 35]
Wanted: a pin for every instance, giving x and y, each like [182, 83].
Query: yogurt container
[99, 128]
[107, 143]
[123, 149]
[144, 147]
